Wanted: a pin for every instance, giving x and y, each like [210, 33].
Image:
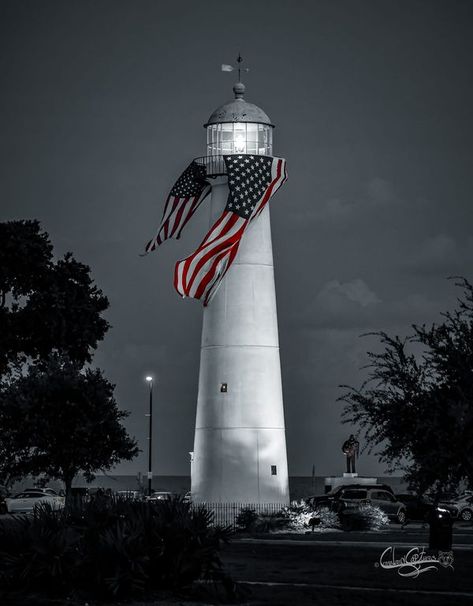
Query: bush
[302, 517]
[270, 522]
[364, 517]
[327, 517]
[115, 549]
[246, 519]
[296, 518]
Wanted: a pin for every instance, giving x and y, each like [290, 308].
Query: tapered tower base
[240, 443]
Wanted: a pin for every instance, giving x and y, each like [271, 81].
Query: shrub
[327, 517]
[114, 549]
[270, 522]
[300, 515]
[364, 517]
[246, 519]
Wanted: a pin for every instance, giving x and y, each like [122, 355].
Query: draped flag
[186, 196]
[252, 180]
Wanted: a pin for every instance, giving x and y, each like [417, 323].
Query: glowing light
[240, 143]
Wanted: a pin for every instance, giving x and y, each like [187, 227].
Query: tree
[45, 305]
[417, 408]
[60, 421]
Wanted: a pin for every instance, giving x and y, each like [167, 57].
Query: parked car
[50, 491]
[350, 497]
[417, 507]
[3, 495]
[28, 500]
[460, 508]
[159, 496]
[331, 497]
[134, 495]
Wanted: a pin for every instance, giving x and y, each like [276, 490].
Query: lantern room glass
[239, 138]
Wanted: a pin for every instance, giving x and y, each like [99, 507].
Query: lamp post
[150, 435]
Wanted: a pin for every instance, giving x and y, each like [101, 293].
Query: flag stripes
[186, 196]
[199, 275]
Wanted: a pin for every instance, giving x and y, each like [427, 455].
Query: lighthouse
[240, 443]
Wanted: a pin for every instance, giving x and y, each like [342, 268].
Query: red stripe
[211, 272]
[205, 243]
[176, 285]
[165, 225]
[268, 192]
[213, 250]
[177, 219]
[214, 287]
[222, 247]
[166, 206]
[195, 205]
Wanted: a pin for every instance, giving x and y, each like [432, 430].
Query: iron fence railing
[215, 165]
[225, 514]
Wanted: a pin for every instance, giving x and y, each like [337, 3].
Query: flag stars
[249, 186]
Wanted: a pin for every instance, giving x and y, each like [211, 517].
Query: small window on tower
[223, 388]
[274, 470]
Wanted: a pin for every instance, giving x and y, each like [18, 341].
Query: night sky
[101, 107]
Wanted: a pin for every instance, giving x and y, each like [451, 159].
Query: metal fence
[225, 514]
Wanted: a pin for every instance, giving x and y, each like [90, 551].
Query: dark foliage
[365, 517]
[45, 305]
[60, 421]
[246, 519]
[270, 521]
[418, 408]
[120, 549]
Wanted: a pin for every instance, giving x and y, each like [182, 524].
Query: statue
[351, 449]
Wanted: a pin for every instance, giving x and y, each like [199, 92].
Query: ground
[331, 569]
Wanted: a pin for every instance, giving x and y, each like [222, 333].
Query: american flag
[185, 198]
[252, 180]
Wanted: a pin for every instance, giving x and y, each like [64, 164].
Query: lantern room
[239, 127]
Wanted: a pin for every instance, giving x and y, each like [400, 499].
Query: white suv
[29, 500]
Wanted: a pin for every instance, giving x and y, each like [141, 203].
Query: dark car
[352, 496]
[418, 508]
[460, 508]
[328, 499]
[3, 495]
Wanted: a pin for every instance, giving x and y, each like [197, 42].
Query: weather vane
[230, 68]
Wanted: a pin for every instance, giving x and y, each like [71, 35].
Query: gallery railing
[215, 165]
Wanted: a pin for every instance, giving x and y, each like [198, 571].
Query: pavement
[344, 568]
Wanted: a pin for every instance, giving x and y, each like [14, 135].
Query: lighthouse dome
[239, 110]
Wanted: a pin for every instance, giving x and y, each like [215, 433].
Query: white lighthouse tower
[240, 443]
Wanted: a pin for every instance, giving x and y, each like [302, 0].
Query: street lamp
[149, 380]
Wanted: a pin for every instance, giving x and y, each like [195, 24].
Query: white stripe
[276, 186]
[205, 269]
[205, 272]
[169, 210]
[215, 241]
[180, 284]
[213, 286]
[180, 204]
